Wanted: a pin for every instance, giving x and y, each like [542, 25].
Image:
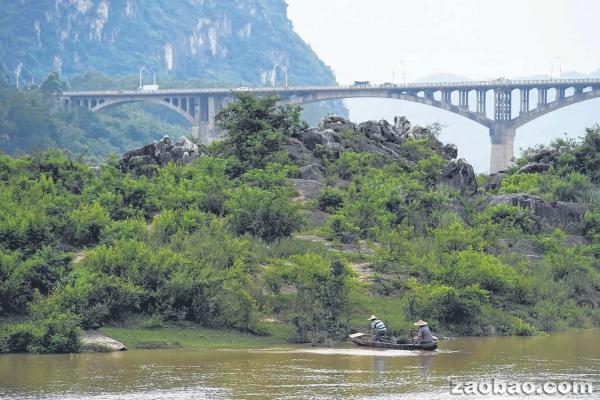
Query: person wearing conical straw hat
[378, 327]
[424, 336]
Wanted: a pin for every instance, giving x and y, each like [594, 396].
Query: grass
[388, 309]
[196, 337]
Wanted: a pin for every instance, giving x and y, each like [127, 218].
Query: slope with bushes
[226, 241]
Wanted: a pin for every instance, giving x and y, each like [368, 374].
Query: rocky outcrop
[547, 213]
[494, 180]
[533, 167]
[143, 161]
[380, 138]
[312, 172]
[460, 175]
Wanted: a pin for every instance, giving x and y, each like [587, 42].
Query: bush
[59, 333]
[331, 199]
[86, 224]
[265, 214]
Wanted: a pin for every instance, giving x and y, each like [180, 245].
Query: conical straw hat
[420, 323]
[372, 318]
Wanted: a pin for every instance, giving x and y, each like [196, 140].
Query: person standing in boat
[378, 327]
[425, 336]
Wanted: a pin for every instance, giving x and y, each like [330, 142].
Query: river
[301, 372]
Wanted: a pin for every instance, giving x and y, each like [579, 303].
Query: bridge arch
[107, 104]
[430, 101]
[542, 110]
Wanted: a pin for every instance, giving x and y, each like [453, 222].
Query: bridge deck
[427, 86]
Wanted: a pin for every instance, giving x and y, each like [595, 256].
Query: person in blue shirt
[378, 327]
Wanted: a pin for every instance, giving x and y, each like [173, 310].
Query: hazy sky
[377, 40]
[368, 39]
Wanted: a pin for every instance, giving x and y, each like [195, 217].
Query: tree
[255, 128]
[3, 78]
[268, 215]
[53, 85]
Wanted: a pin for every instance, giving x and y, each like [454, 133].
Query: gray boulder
[494, 180]
[329, 140]
[159, 153]
[403, 126]
[548, 213]
[450, 151]
[312, 172]
[532, 167]
[460, 175]
[338, 124]
[543, 155]
[380, 131]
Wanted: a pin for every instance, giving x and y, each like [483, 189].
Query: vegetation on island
[216, 243]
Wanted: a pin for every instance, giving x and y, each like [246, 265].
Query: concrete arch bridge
[501, 105]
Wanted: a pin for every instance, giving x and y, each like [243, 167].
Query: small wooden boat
[363, 339]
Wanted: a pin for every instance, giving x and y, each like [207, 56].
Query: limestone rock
[533, 167]
[460, 174]
[307, 189]
[547, 213]
[450, 151]
[312, 172]
[495, 179]
[338, 124]
[159, 153]
[95, 341]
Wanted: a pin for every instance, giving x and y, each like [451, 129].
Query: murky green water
[303, 372]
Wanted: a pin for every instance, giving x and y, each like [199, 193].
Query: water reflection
[298, 372]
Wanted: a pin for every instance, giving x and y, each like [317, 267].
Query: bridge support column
[524, 101]
[197, 118]
[463, 99]
[502, 137]
[503, 105]
[481, 106]
[542, 97]
[447, 96]
[213, 108]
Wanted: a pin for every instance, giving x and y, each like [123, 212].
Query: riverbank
[196, 337]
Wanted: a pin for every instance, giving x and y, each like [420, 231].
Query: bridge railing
[415, 86]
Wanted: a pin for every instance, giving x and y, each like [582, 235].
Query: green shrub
[86, 224]
[153, 322]
[59, 333]
[265, 214]
[330, 199]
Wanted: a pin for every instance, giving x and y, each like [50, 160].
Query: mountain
[225, 41]
[102, 44]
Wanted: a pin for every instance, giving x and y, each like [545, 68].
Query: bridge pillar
[524, 101]
[481, 106]
[447, 96]
[542, 96]
[463, 100]
[502, 136]
[211, 130]
[197, 114]
[503, 105]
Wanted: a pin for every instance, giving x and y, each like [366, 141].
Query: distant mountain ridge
[248, 42]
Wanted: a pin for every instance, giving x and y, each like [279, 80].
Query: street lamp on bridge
[142, 87]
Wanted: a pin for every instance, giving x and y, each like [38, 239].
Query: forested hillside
[102, 44]
[312, 229]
